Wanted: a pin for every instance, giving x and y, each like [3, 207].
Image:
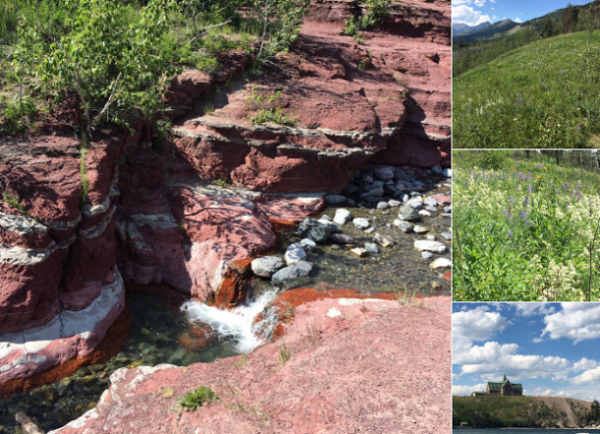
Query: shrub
[110, 58]
[196, 398]
[16, 115]
[281, 21]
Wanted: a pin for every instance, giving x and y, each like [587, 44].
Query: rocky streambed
[362, 240]
[390, 232]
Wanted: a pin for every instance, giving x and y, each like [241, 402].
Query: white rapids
[238, 323]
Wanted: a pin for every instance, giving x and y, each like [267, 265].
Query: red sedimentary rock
[352, 364]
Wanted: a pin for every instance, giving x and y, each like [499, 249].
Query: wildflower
[557, 192]
[505, 211]
[530, 188]
[539, 177]
[512, 200]
[490, 228]
[523, 214]
[526, 201]
[510, 233]
[578, 195]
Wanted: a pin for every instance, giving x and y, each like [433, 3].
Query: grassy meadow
[542, 95]
[526, 226]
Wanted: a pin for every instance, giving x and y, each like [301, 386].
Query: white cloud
[585, 364]
[481, 354]
[517, 20]
[543, 391]
[518, 367]
[467, 15]
[479, 3]
[476, 325]
[467, 390]
[530, 309]
[589, 376]
[576, 321]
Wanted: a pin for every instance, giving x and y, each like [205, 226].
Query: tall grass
[543, 95]
[526, 232]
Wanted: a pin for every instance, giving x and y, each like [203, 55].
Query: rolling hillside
[517, 411]
[544, 94]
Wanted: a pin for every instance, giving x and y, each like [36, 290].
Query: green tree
[111, 60]
[280, 22]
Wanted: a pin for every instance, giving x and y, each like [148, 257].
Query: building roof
[498, 386]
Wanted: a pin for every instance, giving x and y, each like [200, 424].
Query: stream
[169, 329]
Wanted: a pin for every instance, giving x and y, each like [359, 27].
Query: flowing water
[161, 331]
[171, 330]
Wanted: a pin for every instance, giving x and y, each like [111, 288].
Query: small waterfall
[237, 324]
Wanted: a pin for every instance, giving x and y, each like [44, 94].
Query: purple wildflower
[526, 201]
[512, 200]
[523, 214]
[510, 233]
[530, 188]
[557, 192]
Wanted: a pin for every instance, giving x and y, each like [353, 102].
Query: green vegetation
[543, 95]
[592, 416]
[505, 411]
[284, 354]
[274, 115]
[13, 202]
[526, 226]
[196, 398]
[267, 110]
[224, 183]
[16, 115]
[378, 10]
[118, 56]
[516, 91]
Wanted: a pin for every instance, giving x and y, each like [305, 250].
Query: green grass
[13, 202]
[197, 398]
[524, 230]
[284, 354]
[542, 95]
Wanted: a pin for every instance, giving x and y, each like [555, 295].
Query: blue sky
[475, 12]
[553, 349]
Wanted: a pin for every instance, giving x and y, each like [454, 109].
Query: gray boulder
[342, 239]
[410, 214]
[287, 274]
[294, 253]
[266, 266]
[335, 198]
[384, 173]
[315, 230]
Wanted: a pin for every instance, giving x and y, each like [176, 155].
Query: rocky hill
[518, 411]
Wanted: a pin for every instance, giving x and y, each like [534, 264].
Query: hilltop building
[504, 388]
